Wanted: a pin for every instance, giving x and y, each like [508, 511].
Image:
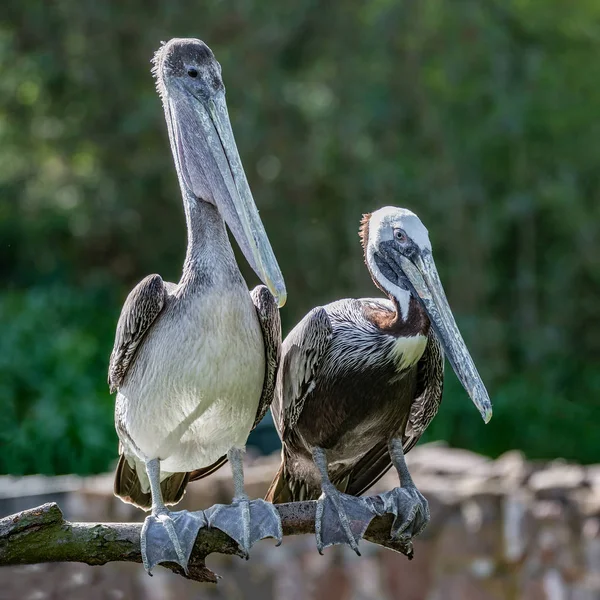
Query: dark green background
[481, 116]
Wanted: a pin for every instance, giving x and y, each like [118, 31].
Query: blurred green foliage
[479, 115]
[56, 414]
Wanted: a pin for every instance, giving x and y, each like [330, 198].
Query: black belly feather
[348, 415]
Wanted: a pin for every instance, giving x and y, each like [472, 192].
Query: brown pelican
[194, 363]
[360, 381]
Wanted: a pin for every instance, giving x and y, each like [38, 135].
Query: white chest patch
[407, 351]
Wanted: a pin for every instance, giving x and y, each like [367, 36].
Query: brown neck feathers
[391, 322]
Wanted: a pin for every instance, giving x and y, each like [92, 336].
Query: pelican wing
[143, 305]
[303, 351]
[270, 323]
[430, 385]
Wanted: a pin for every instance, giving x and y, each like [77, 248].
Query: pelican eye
[399, 235]
[192, 72]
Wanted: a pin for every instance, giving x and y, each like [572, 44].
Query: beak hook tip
[487, 414]
[281, 301]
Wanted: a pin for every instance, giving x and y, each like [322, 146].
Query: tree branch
[41, 535]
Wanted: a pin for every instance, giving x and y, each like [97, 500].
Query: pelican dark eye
[399, 235]
[192, 72]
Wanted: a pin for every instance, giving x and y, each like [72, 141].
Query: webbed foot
[410, 509]
[169, 537]
[341, 519]
[246, 521]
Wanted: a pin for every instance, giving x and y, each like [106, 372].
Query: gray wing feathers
[141, 308]
[430, 385]
[303, 352]
[270, 323]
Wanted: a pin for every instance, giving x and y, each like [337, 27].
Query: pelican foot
[169, 537]
[410, 509]
[246, 521]
[341, 519]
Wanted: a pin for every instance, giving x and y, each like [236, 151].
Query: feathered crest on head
[157, 61]
[363, 230]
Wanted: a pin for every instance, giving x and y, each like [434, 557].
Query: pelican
[360, 381]
[194, 363]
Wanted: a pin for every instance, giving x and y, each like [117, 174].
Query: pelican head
[206, 157]
[398, 255]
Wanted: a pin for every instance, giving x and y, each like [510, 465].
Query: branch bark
[42, 535]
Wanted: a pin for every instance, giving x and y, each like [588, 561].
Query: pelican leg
[243, 520]
[340, 518]
[167, 536]
[406, 503]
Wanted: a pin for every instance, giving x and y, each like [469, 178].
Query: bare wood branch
[41, 535]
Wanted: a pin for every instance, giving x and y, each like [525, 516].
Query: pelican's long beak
[209, 163]
[423, 276]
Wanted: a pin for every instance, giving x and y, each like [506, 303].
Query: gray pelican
[359, 382]
[194, 363]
